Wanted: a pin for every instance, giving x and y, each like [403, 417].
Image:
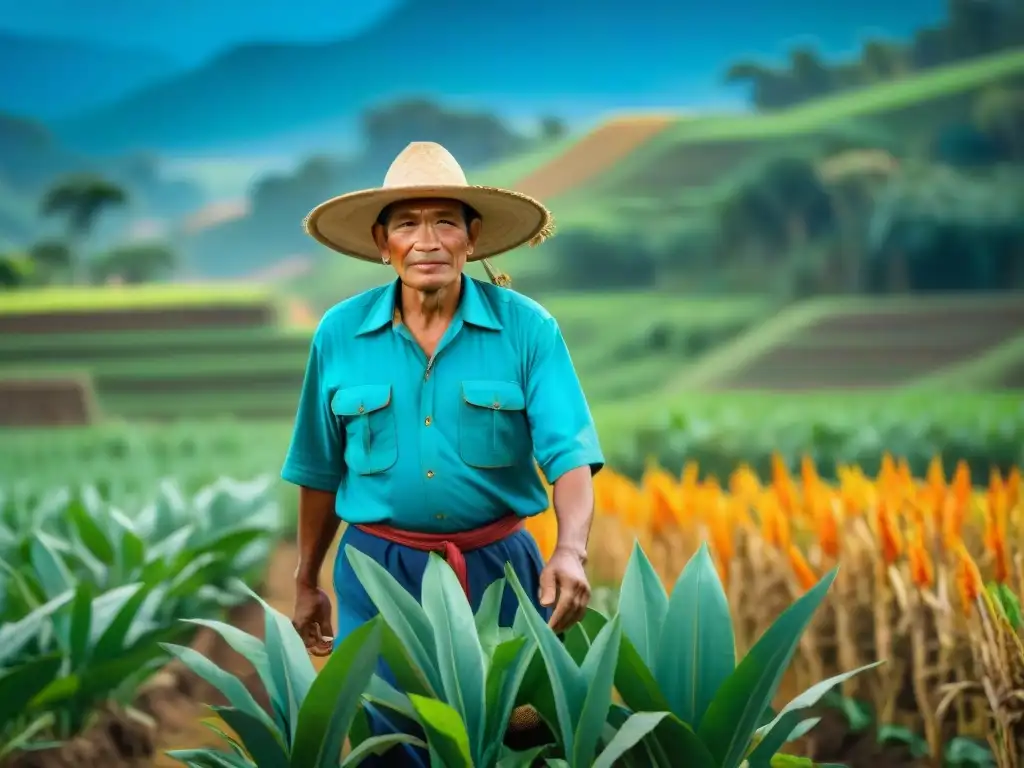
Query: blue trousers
[484, 566]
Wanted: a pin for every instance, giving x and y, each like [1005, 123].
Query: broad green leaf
[380, 692]
[460, 657]
[779, 730]
[402, 613]
[23, 739]
[568, 686]
[80, 625]
[229, 685]
[15, 636]
[635, 682]
[289, 661]
[92, 535]
[20, 684]
[209, 758]
[523, 759]
[331, 704]
[379, 745]
[676, 743]
[446, 733]
[487, 614]
[114, 630]
[643, 606]
[50, 568]
[599, 672]
[732, 717]
[632, 732]
[258, 735]
[250, 648]
[504, 677]
[696, 650]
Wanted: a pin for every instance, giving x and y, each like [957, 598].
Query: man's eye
[446, 221]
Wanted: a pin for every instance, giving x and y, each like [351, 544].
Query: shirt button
[430, 473]
[426, 422]
[439, 516]
[361, 409]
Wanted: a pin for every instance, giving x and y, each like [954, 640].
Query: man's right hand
[312, 619]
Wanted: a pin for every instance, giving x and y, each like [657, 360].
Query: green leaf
[599, 672]
[732, 717]
[92, 535]
[20, 684]
[379, 745]
[208, 758]
[15, 636]
[524, 759]
[80, 625]
[230, 686]
[696, 650]
[676, 743]
[643, 606]
[505, 675]
[487, 614]
[632, 732]
[403, 614]
[446, 733]
[50, 568]
[568, 686]
[380, 692]
[258, 735]
[780, 729]
[635, 682]
[460, 657]
[113, 631]
[334, 698]
[250, 648]
[889, 732]
[23, 740]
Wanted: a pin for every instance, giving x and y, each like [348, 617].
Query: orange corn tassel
[804, 575]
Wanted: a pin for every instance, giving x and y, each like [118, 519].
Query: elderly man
[429, 402]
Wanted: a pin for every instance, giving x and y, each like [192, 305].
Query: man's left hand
[563, 579]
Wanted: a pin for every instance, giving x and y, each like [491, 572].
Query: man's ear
[474, 231]
[380, 237]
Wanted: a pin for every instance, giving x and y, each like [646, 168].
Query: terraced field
[852, 344]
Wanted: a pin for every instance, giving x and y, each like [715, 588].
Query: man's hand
[564, 579]
[312, 619]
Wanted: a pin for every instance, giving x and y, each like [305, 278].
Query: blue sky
[191, 30]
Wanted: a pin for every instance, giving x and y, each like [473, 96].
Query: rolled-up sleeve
[564, 435]
[315, 457]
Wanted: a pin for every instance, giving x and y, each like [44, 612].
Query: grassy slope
[989, 370]
[92, 299]
[730, 358]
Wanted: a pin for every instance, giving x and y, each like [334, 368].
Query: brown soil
[909, 345]
[167, 318]
[832, 741]
[85, 352]
[594, 153]
[51, 402]
[174, 702]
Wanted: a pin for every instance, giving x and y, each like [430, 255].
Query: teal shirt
[446, 444]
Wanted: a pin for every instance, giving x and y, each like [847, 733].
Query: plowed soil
[596, 152]
[50, 402]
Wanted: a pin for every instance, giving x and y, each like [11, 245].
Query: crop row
[88, 592]
[931, 579]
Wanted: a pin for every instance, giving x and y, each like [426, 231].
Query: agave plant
[677, 660]
[311, 715]
[460, 672]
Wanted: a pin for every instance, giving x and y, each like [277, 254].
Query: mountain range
[529, 58]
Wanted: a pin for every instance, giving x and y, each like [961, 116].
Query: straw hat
[428, 170]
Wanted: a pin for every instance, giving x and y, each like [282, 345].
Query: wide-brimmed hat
[422, 170]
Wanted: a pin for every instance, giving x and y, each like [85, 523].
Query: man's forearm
[574, 510]
[318, 525]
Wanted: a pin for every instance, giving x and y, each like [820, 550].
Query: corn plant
[678, 660]
[88, 592]
[460, 672]
[311, 714]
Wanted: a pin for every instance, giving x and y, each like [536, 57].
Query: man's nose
[427, 239]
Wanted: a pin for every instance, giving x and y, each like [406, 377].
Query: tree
[15, 271]
[552, 128]
[134, 263]
[81, 199]
[999, 113]
[51, 259]
[810, 75]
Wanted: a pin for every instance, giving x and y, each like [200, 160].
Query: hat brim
[509, 219]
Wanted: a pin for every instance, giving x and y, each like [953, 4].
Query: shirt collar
[474, 308]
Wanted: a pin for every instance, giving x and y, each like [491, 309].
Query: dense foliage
[88, 591]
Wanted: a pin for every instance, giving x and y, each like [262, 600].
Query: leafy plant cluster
[88, 593]
[655, 683]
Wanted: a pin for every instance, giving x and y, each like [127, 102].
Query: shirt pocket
[371, 434]
[493, 428]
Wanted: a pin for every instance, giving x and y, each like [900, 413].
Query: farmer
[428, 404]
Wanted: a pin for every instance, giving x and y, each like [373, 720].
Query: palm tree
[81, 199]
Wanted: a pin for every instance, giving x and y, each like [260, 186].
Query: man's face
[427, 242]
